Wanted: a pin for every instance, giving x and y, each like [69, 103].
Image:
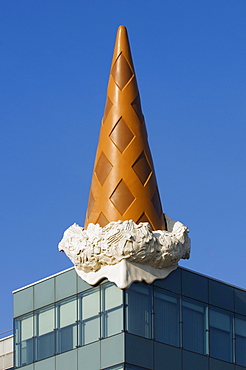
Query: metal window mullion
[152, 335]
[207, 330]
[124, 310]
[58, 328]
[180, 323]
[102, 333]
[20, 350]
[233, 339]
[36, 328]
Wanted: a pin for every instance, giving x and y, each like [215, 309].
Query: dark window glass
[194, 326]
[240, 301]
[220, 335]
[89, 316]
[172, 282]
[27, 351]
[139, 304]
[221, 295]
[240, 330]
[67, 325]
[194, 286]
[112, 310]
[45, 346]
[45, 332]
[166, 317]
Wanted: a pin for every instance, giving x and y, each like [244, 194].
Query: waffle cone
[123, 184]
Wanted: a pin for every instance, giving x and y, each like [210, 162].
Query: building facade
[186, 321]
[6, 353]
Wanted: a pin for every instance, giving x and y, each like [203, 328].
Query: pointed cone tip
[122, 35]
[122, 29]
[123, 184]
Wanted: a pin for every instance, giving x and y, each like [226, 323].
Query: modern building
[185, 321]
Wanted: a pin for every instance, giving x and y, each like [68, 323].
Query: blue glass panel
[45, 346]
[166, 317]
[139, 304]
[194, 326]
[194, 286]
[27, 352]
[240, 329]
[67, 338]
[240, 301]
[172, 282]
[221, 295]
[220, 335]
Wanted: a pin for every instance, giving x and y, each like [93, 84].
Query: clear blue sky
[190, 60]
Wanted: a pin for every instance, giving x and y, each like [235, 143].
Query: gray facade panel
[44, 293]
[67, 361]
[49, 363]
[220, 365]
[166, 357]
[112, 350]
[139, 351]
[65, 284]
[23, 301]
[194, 361]
[28, 367]
[82, 285]
[194, 286]
[89, 357]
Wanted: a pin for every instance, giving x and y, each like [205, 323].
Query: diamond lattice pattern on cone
[123, 184]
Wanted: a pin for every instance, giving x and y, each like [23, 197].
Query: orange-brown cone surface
[123, 183]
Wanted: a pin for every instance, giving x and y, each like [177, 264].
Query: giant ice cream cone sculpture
[123, 184]
[126, 237]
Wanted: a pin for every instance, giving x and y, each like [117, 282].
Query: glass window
[166, 317]
[89, 316]
[24, 340]
[27, 340]
[67, 325]
[194, 326]
[45, 325]
[240, 331]
[220, 335]
[139, 305]
[112, 310]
